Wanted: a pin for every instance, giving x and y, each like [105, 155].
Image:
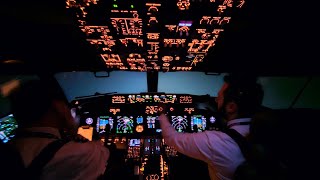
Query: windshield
[76, 84]
[280, 92]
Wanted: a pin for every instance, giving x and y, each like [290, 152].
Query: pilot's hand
[162, 109]
[163, 117]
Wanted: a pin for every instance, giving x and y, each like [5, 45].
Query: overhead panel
[154, 35]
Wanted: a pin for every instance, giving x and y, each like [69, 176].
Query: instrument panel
[154, 35]
[136, 115]
[130, 123]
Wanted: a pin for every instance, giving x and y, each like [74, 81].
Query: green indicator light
[115, 5]
[132, 6]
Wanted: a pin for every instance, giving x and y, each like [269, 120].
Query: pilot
[237, 101]
[44, 117]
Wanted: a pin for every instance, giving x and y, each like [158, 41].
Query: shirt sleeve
[195, 145]
[96, 161]
[79, 161]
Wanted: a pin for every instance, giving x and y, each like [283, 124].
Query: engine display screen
[198, 122]
[124, 124]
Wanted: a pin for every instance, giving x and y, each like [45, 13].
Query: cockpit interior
[117, 60]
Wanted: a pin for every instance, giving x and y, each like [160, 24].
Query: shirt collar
[240, 120]
[49, 130]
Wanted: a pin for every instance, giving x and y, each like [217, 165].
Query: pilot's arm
[195, 145]
[79, 161]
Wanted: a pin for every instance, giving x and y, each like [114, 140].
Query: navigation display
[199, 122]
[124, 124]
[8, 125]
[180, 123]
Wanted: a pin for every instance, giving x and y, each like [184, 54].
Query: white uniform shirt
[217, 149]
[74, 161]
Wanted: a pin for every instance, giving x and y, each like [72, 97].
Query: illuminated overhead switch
[184, 29]
[166, 64]
[183, 4]
[217, 31]
[228, 3]
[123, 68]
[153, 7]
[225, 20]
[180, 42]
[185, 23]
[205, 36]
[153, 21]
[168, 42]
[221, 8]
[194, 62]
[215, 20]
[167, 59]
[205, 20]
[171, 27]
[154, 46]
[241, 3]
[201, 31]
[153, 36]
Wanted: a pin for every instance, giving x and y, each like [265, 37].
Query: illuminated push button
[139, 128]
[89, 121]
[212, 119]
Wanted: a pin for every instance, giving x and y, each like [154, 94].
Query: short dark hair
[32, 100]
[245, 92]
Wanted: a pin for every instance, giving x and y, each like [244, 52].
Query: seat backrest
[11, 166]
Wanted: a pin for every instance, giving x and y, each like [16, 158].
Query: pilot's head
[240, 96]
[38, 104]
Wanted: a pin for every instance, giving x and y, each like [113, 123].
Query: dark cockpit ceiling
[264, 38]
